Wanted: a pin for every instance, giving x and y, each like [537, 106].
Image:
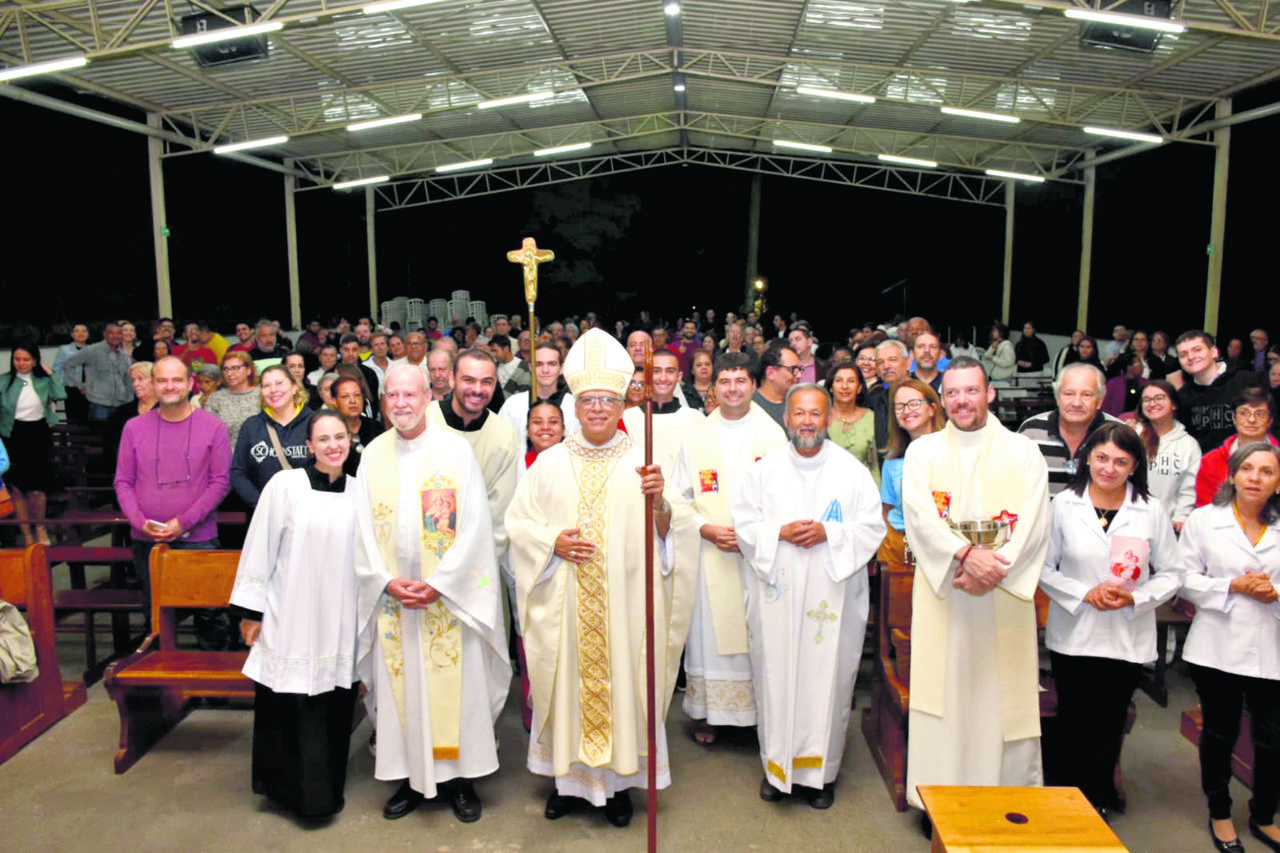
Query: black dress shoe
[926, 826]
[617, 809]
[770, 794]
[403, 801]
[1224, 846]
[1267, 840]
[465, 801]
[822, 798]
[558, 806]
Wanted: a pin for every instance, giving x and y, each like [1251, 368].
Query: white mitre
[597, 362]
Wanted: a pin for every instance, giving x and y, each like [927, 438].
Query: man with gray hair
[807, 519]
[893, 362]
[1058, 433]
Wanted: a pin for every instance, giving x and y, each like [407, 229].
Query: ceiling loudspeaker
[1119, 37]
[224, 52]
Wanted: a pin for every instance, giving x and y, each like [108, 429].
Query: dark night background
[79, 238]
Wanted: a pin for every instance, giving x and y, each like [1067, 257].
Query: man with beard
[686, 345]
[431, 648]
[974, 706]
[712, 465]
[807, 519]
[465, 412]
[926, 352]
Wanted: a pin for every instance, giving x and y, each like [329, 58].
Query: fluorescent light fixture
[562, 149]
[469, 164]
[43, 67]
[1138, 22]
[393, 5]
[801, 146]
[907, 161]
[1153, 138]
[1015, 176]
[679, 87]
[672, 9]
[515, 99]
[953, 111]
[360, 182]
[226, 34]
[835, 93]
[384, 122]
[252, 143]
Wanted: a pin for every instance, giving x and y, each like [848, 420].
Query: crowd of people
[417, 495]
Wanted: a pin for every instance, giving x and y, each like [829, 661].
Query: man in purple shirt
[173, 469]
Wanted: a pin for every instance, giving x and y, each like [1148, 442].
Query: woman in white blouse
[1113, 558]
[295, 591]
[1232, 553]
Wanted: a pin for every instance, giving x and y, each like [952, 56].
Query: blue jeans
[214, 628]
[98, 413]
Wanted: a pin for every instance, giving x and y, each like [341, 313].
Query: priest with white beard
[710, 470]
[432, 648]
[808, 519]
[974, 705]
[577, 525]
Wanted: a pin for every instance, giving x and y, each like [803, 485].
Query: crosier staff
[529, 256]
[652, 800]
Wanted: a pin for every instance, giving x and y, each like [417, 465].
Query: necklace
[1105, 516]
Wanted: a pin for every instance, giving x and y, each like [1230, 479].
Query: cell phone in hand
[153, 527]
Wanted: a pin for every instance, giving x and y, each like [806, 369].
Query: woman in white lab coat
[1113, 558]
[1232, 551]
[295, 591]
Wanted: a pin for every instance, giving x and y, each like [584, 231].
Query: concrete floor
[191, 792]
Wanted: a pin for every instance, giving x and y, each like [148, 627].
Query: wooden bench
[153, 688]
[28, 709]
[884, 721]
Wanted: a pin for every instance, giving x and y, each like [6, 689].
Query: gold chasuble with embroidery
[423, 515]
[584, 623]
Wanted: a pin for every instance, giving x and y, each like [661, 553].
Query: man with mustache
[431, 648]
[807, 518]
[974, 706]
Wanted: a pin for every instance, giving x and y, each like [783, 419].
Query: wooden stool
[969, 818]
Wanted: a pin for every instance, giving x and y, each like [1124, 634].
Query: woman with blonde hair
[273, 440]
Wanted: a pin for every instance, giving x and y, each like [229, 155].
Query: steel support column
[370, 234]
[1086, 250]
[1218, 218]
[1010, 191]
[753, 244]
[159, 224]
[291, 247]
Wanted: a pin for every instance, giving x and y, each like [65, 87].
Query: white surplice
[669, 432]
[982, 722]
[296, 570]
[806, 607]
[406, 751]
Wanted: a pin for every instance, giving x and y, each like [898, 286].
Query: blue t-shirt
[891, 491]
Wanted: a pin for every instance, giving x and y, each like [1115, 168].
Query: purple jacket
[186, 479]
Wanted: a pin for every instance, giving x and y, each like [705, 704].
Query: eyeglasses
[635, 386]
[866, 359]
[599, 402]
[1155, 398]
[1260, 413]
[910, 406]
[227, 367]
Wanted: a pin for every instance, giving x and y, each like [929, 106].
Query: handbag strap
[275, 442]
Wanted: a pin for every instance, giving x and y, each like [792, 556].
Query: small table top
[973, 818]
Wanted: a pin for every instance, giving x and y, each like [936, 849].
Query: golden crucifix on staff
[529, 256]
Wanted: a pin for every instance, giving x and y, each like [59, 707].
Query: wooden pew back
[187, 579]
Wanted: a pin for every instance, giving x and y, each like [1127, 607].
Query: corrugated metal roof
[612, 66]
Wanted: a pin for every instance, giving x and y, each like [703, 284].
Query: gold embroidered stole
[439, 630]
[592, 467]
[722, 570]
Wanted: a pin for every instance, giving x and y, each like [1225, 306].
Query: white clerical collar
[409, 445]
[738, 423]
[815, 461]
[970, 438]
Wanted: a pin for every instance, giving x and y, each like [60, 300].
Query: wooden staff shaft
[650, 680]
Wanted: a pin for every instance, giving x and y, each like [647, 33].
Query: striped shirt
[1043, 430]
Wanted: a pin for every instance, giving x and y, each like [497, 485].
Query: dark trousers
[1223, 697]
[215, 631]
[1093, 703]
[77, 406]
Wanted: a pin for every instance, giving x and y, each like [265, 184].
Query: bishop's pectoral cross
[821, 615]
[529, 256]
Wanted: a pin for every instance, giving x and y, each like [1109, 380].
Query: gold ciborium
[983, 534]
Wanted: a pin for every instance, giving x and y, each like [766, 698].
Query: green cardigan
[48, 389]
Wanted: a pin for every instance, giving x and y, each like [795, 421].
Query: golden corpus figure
[529, 256]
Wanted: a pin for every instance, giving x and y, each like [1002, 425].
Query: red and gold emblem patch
[709, 480]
